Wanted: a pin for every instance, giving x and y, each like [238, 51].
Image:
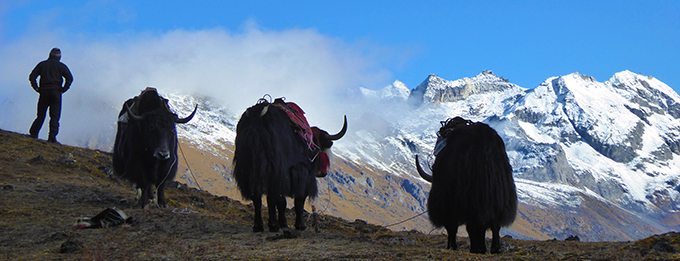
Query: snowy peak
[640, 83]
[395, 92]
[622, 118]
[650, 94]
[437, 90]
[618, 138]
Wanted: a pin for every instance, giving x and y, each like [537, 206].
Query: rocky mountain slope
[573, 140]
[594, 159]
[45, 188]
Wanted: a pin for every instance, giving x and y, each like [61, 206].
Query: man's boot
[52, 139]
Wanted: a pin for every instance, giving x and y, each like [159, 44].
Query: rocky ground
[46, 188]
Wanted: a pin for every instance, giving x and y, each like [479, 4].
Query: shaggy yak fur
[271, 158]
[145, 150]
[472, 183]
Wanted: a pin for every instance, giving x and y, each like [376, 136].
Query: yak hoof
[300, 227]
[478, 251]
[258, 228]
[495, 250]
[452, 246]
[274, 228]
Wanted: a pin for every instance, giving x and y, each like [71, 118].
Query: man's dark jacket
[51, 72]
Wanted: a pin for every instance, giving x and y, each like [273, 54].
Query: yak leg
[160, 197]
[496, 239]
[299, 208]
[272, 203]
[258, 226]
[147, 192]
[476, 234]
[452, 230]
[281, 207]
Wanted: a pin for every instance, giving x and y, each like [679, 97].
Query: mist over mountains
[571, 141]
[595, 159]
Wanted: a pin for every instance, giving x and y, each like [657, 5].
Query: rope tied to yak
[297, 119]
[188, 166]
[408, 219]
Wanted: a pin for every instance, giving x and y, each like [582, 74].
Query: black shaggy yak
[277, 155]
[145, 150]
[472, 183]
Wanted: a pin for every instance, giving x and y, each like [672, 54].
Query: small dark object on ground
[36, 159]
[71, 245]
[110, 217]
[573, 238]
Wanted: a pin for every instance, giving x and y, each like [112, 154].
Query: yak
[472, 183]
[145, 149]
[277, 154]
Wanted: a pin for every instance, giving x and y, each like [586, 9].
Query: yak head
[324, 141]
[451, 124]
[447, 127]
[158, 129]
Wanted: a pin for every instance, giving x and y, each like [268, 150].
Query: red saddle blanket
[297, 117]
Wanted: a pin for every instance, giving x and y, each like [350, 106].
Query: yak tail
[500, 181]
[249, 164]
[257, 162]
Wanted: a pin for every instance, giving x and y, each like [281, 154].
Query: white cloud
[234, 68]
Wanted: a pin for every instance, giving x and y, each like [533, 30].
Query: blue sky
[524, 41]
[307, 51]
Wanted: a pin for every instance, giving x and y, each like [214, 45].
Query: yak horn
[187, 119]
[132, 115]
[341, 133]
[422, 173]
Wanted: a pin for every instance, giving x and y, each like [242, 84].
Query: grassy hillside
[357, 191]
[45, 188]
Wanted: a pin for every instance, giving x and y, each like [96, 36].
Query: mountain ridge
[570, 140]
[619, 156]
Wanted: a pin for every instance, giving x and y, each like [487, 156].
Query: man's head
[55, 53]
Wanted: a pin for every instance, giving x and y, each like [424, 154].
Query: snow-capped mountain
[617, 138]
[600, 160]
[395, 92]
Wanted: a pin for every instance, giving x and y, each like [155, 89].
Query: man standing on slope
[52, 72]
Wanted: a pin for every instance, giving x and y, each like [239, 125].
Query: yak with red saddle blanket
[278, 154]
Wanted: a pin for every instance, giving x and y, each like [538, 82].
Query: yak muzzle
[162, 154]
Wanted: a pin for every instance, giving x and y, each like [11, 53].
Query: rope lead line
[407, 219]
[187, 163]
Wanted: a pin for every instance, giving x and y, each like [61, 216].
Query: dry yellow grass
[45, 188]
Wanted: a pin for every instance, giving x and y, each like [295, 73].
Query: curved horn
[187, 119]
[422, 173]
[341, 133]
[131, 114]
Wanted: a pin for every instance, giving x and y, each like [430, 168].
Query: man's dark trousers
[48, 98]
